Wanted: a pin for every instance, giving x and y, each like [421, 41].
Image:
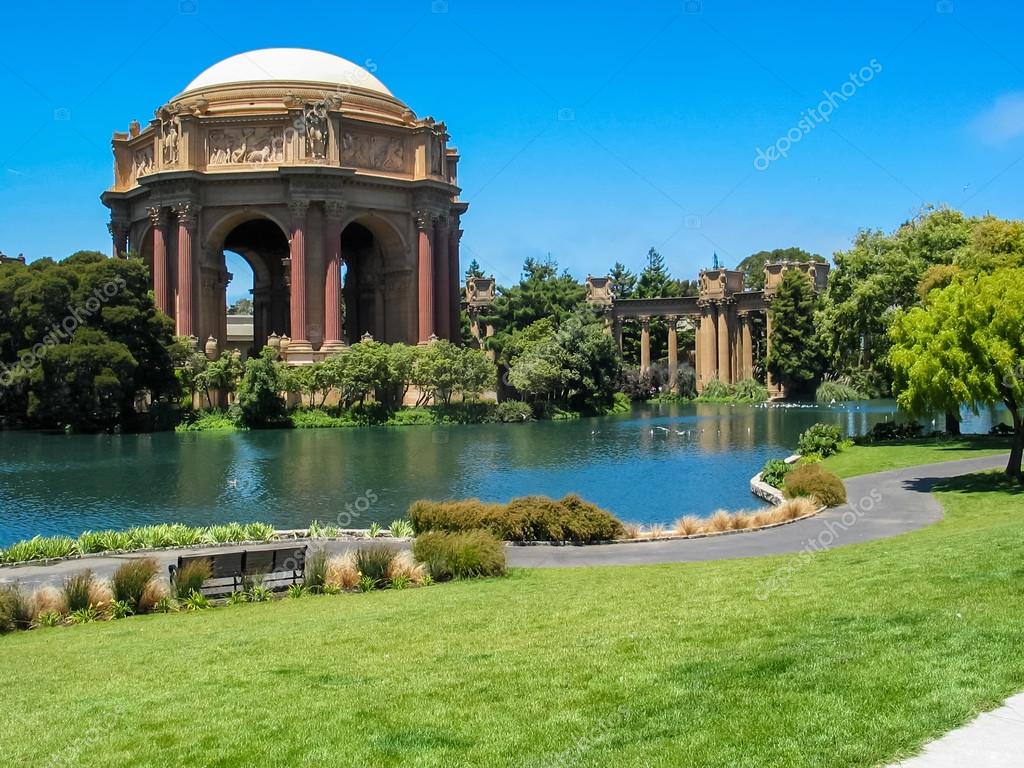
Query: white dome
[298, 65]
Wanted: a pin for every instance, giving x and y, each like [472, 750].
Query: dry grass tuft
[47, 599]
[155, 591]
[720, 521]
[404, 566]
[791, 509]
[100, 594]
[689, 525]
[657, 531]
[763, 517]
[632, 530]
[741, 521]
[342, 572]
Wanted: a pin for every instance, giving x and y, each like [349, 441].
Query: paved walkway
[992, 740]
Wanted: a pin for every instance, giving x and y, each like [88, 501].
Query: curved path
[880, 505]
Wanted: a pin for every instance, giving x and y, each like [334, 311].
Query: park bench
[231, 571]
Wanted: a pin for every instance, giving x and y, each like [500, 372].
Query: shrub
[891, 430]
[460, 555]
[511, 411]
[195, 601]
[716, 390]
[190, 577]
[838, 391]
[85, 615]
[375, 562]
[131, 580]
[750, 391]
[774, 472]
[823, 439]
[76, 590]
[820, 484]
[316, 570]
[401, 529]
[47, 600]
[342, 572]
[531, 518]
[15, 609]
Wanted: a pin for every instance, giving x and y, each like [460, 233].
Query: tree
[473, 270]
[794, 357]
[259, 394]
[752, 267]
[654, 283]
[241, 307]
[623, 281]
[365, 369]
[964, 347]
[541, 292]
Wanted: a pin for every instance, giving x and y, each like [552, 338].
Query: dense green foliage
[814, 481]
[142, 537]
[462, 555]
[752, 267]
[80, 340]
[259, 394]
[838, 391]
[532, 518]
[965, 346]
[542, 292]
[821, 439]
[774, 472]
[794, 357]
[745, 391]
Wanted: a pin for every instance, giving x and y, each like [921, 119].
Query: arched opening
[254, 253]
[241, 277]
[375, 283]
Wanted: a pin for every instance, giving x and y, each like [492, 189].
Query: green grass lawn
[862, 459]
[865, 653]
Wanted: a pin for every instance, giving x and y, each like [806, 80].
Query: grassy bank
[862, 459]
[860, 656]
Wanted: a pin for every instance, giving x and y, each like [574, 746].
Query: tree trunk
[952, 424]
[1017, 451]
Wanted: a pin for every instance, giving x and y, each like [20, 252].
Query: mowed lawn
[862, 459]
[864, 654]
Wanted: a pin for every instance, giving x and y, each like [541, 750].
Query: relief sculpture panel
[235, 146]
[381, 153]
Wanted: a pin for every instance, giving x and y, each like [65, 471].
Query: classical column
[712, 344]
[768, 345]
[425, 276]
[333, 340]
[119, 229]
[698, 370]
[297, 294]
[187, 215]
[455, 278]
[746, 347]
[645, 344]
[617, 332]
[673, 354]
[724, 370]
[443, 284]
[161, 271]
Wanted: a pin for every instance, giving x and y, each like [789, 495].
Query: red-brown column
[332, 284]
[443, 282]
[187, 215]
[297, 254]
[425, 277]
[158, 216]
[455, 280]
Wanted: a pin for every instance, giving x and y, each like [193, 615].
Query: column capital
[645, 322]
[187, 213]
[424, 219]
[298, 209]
[118, 227]
[158, 215]
[335, 210]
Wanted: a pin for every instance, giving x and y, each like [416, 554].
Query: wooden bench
[276, 568]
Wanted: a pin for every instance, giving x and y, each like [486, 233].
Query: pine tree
[473, 270]
[795, 359]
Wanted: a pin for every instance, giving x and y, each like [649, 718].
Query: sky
[588, 132]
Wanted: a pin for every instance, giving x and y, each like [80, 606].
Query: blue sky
[588, 132]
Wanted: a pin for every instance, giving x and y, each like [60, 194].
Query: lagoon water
[652, 465]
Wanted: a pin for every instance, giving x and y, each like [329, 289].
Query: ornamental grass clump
[15, 609]
[47, 600]
[190, 578]
[316, 571]
[813, 481]
[76, 590]
[375, 562]
[462, 555]
[130, 581]
[342, 572]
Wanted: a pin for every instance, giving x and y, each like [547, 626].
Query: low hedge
[530, 518]
[464, 555]
[812, 480]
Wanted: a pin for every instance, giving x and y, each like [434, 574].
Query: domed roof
[287, 65]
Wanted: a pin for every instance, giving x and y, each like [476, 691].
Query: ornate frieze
[239, 146]
[373, 152]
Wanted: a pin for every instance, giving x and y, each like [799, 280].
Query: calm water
[650, 466]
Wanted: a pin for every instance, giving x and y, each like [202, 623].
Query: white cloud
[1003, 121]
